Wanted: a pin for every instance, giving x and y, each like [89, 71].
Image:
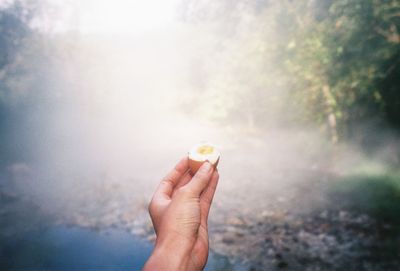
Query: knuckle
[166, 181]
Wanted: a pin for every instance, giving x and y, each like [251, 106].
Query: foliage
[19, 78]
[331, 63]
[377, 195]
[342, 60]
[16, 46]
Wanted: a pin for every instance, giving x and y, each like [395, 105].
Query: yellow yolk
[201, 153]
[205, 150]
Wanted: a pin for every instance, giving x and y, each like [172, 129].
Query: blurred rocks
[286, 232]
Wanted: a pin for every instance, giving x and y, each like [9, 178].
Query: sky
[106, 17]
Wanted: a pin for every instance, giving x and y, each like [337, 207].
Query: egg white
[211, 157]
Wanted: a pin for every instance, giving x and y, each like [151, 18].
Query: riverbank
[322, 224]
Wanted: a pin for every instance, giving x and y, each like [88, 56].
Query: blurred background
[99, 99]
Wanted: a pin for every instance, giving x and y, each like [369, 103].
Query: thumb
[201, 179]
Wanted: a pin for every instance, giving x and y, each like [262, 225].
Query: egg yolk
[205, 150]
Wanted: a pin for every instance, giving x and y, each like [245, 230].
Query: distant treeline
[333, 63]
[330, 63]
[23, 82]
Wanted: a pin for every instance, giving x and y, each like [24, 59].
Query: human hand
[179, 211]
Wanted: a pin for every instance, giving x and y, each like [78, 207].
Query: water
[73, 248]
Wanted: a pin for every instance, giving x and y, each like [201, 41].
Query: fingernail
[205, 167]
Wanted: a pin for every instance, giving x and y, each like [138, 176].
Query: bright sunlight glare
[124, 16]
[106, 17]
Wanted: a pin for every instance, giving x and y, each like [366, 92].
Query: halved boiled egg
[203, 152]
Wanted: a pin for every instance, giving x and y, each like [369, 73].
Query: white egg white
[211, 157]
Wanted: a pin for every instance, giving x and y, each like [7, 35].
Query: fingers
[166, 186]
[208, 195]
[201, 179]
[182, 182]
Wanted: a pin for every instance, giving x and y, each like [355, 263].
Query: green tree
[340, 62]
[333, 63]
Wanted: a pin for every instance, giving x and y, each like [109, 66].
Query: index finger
[167, 184]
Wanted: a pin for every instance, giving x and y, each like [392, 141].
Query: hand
[179, 211]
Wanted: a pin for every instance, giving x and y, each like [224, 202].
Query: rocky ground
[326, 240]
[332, 235]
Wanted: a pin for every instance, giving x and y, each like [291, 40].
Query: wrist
[171, 253]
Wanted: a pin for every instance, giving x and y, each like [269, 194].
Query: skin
[179, 212]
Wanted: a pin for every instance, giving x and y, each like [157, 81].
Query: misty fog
[115, 109]
[105, 110]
